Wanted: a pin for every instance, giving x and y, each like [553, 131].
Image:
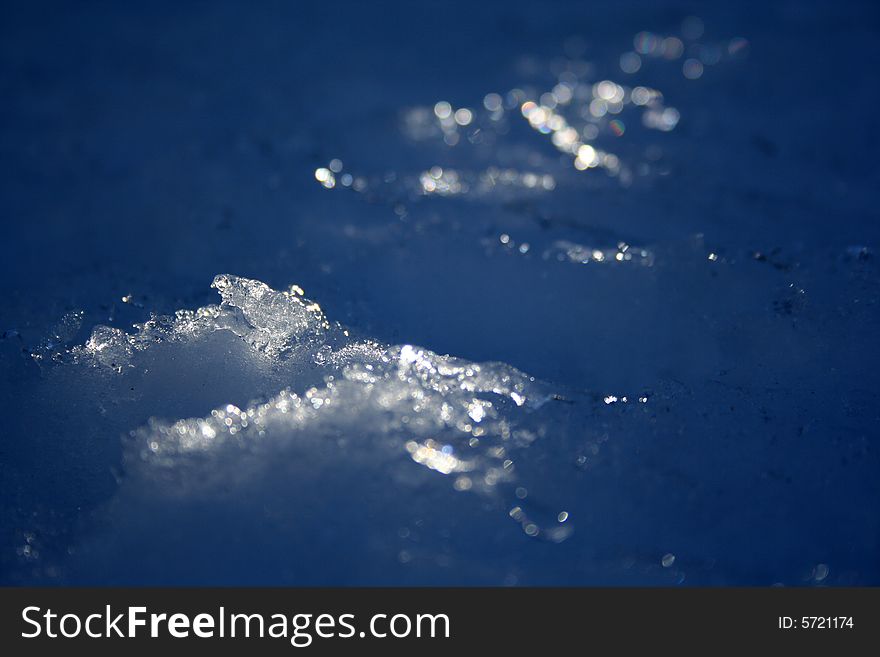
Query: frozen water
[271, 322]
[400, 391]
[648, 249]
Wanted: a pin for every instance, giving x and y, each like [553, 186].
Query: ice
[659, 299]
[311, 436]
[278, 321]
[348, 405]
[402, 392]
[271, 322]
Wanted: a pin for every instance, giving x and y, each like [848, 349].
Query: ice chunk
[271, 322]
[111, 347]
[448, 414]
[277, 320]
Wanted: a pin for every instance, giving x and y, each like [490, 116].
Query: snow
[503, 305]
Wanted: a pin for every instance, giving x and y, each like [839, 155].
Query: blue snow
[514, 293]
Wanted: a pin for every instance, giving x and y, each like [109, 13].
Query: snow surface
[658, 289]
